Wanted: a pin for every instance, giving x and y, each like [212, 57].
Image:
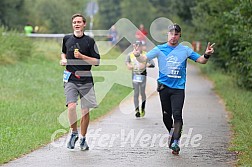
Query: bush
[242, 16]
[228, 23]
[14, 47]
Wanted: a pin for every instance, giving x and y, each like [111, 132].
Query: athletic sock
[75, 132]
[175, 141]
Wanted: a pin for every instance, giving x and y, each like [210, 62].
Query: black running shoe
[137, 114]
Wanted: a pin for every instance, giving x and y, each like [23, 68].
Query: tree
[52, 16]
[242, 30]
[138, 12]
[228, 23]
[211, 25]
[12, 13]
[109, 13]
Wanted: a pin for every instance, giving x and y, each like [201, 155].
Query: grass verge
[32, 98]
[238, 103]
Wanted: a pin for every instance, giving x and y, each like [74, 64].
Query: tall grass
[238, 103]
[14, 47]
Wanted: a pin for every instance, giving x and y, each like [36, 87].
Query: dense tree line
[228, 23]
[51, 16]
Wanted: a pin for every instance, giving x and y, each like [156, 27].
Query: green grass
[238, 103]
[32, 98]
[14, 47]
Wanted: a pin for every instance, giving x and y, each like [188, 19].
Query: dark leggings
[172, 101]
[139, 88]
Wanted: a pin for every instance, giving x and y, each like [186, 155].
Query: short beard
[173, 43]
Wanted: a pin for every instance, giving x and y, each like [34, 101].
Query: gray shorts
[84, 91]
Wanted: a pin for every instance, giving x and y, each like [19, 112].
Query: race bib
[138, 78]
[66, 76]
[174, 73]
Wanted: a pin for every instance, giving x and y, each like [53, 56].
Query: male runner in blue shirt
[172, 59]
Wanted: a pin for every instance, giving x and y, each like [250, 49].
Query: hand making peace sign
[209, 49]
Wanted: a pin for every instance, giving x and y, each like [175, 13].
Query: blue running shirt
[172, 63]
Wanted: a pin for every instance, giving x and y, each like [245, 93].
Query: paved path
[120, 139]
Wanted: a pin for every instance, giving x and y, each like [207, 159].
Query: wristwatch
[206, 56]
